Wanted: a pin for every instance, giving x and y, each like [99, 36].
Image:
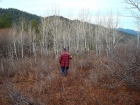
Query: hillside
[18, 14]
[128, 31]
[104, 70]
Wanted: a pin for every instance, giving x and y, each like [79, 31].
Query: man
[64, 62]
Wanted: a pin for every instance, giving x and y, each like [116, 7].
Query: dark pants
[64, 70]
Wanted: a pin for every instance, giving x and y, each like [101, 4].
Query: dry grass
[88, 83]
[113, 80]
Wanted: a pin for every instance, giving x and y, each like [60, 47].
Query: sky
[73, 8]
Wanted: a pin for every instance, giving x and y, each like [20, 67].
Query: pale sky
[72, 8]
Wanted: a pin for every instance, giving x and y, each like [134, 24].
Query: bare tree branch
[133, 7]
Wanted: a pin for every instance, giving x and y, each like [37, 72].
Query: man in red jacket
[64, 62]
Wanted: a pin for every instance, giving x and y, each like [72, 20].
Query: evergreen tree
[5, 21]
[8, 20]
[1, 21]
[35, 26]
[10, 15]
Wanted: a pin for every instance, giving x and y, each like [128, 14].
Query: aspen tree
[22, 38]
[14, 32]
[134, 7]
[98, 35]
[77, 36]
[55, 25]
[138, 35]
[70, 37]
[43, 41]
[30, 38]
[84, 17]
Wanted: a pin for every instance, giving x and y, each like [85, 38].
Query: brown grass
[88, 83]
[112, 80]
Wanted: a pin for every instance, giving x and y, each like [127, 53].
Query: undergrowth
[91, 80]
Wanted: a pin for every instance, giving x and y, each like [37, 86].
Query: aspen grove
[105, 68]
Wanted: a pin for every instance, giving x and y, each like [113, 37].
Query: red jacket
[64, 59]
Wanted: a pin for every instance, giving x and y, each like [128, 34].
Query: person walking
[64, 62]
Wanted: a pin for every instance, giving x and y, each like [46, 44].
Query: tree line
[5, 21]
[10, 16]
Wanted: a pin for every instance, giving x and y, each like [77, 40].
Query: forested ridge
[11, 15]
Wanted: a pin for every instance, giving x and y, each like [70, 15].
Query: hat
[65, 49]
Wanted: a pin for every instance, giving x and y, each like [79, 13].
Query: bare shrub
[5, 43]
[41, 83]
[126, 61]
[30, 73]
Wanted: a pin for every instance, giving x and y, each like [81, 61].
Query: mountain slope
[129, 31]
[18, 14]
